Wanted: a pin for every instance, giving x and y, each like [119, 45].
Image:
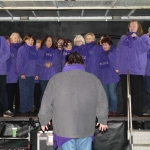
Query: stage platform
[114, 139]
[116, 118]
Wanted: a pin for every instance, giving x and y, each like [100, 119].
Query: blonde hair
[90, 33]
[80, 37]
[38, 41]
[13, 34]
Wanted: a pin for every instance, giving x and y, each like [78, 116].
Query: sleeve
[55, 61]
[144, 42]
[102, 105]
[21, 61]
[45, 113]
[112, 58]
[118, 52]
[5, 51]
[41, 61]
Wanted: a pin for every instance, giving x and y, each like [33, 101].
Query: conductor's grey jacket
[72, 100]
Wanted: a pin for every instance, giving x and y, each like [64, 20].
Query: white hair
[80, 37]
[17, 34]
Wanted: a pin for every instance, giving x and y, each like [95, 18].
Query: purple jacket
[132, 56]
[107, 73]
[90, 54]
[78, 49]
[26, 63]
[12, 75]
[4, 55]
[147, 72]
[65, 52]
[47, 55]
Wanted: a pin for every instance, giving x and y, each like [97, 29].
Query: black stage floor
[114, 139]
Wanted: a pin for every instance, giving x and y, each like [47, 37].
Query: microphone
[132, 33]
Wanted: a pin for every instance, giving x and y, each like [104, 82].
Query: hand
[36, 77]
[117, 71]
[23, 76]
[45, 127]
[133, 35]
[48, 64]
[148, 34]
[102, 127]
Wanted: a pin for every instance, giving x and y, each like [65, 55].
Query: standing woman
[90, 54]
[79, 43]
[67, 50]
[12, 85]
[59, 49]
[48, 62]
[4, 56]
[107, 75]
[131, 55]
[26, 64]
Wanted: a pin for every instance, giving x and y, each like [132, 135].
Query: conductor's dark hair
[74, 58]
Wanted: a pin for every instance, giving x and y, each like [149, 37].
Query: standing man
[73, 99]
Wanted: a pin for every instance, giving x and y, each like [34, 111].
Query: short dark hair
[28, 36]
[108, 40]
[74, 58]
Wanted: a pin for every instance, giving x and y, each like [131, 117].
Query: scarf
[13, 47]
[49, 53]
[104, 60]
[32, 52]
[128, 41]
[73, 67]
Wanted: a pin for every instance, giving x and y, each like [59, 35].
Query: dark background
[69, 29]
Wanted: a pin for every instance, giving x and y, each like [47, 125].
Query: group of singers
[29, 62]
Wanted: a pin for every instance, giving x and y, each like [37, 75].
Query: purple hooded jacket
[132, 57]
[12, 75]
[107, 73]
[47, 55]
[90, 55]
[26, 63]
[4, 55]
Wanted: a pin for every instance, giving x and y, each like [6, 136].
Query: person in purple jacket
[147, 79]
[131, 56]
[59, 48]
[90, 54]
[4, 56]
[12, 86]
[79, 43]
[67, 45]
[107, 75]
[48, 62]
[27, 68]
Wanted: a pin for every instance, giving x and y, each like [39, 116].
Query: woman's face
[78, 41]
[69, 47]
[29, 41]
[60, 44]
[133, 27]
[106, 46]
[38, 45]
[15, 39]
[89, 39]
[48, 42]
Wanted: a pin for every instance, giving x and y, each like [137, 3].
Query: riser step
[141, 147]
[141, 137]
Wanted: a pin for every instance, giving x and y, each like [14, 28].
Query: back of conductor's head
[74, 58]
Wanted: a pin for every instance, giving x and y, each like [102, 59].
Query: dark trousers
[136, 93]
[37, 97]
[43, 84]
[3, 94]
[12, 90]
